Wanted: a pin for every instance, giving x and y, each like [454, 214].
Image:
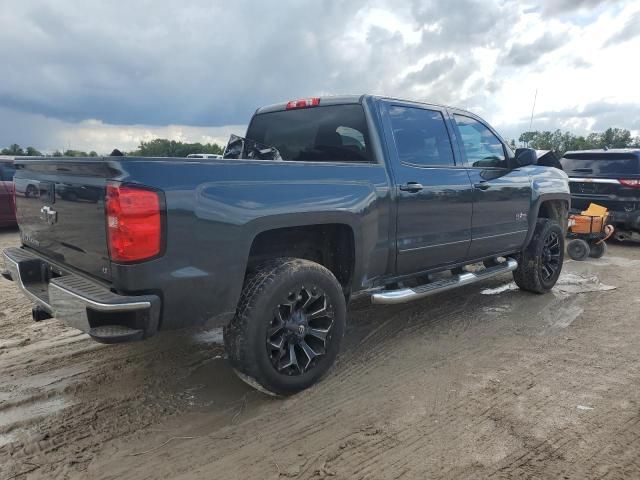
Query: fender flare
[535, 210]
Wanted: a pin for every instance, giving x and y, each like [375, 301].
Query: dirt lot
[482, 382]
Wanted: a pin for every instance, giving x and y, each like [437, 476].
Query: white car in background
[203, 155]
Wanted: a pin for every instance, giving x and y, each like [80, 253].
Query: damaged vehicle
[324, 200]
[610, 178]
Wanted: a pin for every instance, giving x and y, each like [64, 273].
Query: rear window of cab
[333, 133]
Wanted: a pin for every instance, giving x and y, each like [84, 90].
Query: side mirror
[526, 156]
[234, 148]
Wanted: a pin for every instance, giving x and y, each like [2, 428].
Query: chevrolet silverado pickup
[364, 196]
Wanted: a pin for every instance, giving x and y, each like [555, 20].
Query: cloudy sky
[95, 75]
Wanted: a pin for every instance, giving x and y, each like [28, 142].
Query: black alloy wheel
[300, 330]
[290, 321]
[551, 255]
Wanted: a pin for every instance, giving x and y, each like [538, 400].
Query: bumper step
[115, 334]
[404, 295]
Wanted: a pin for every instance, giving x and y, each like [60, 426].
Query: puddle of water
[215, 383]
[497, 310]
[563, 316]
[6, 438]
[210, 336]
[30, 411]
[567, 283]
[572, 283]
[501, 289]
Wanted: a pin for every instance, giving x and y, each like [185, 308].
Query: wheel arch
[552, 206]
[332, 245]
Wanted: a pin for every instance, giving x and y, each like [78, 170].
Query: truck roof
[347, 99]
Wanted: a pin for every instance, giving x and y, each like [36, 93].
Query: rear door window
[482, 148]
[334, 133]
[421, 137]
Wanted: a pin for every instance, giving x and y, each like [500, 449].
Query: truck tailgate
[60, 211]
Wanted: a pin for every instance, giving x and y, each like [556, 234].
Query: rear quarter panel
[216, 208]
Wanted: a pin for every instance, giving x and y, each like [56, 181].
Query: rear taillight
[303, 103]
[134, 223]
[631, 182]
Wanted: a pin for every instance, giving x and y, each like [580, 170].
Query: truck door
[502, 193]
[433, 191]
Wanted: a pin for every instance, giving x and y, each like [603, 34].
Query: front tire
[288, 327]
[540, 264]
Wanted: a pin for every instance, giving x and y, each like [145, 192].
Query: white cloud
[185, 70]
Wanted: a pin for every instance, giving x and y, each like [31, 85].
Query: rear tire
[540, 264]
[598, 250]
[578, 249]
[288, 327]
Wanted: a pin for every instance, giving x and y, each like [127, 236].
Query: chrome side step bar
[403, 295]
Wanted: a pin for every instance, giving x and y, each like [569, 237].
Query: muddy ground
[483, 382]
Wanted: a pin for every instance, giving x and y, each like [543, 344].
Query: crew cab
[360, 196]
[610, 178]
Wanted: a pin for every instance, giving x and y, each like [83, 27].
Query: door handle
[481, 186]
[411, 187]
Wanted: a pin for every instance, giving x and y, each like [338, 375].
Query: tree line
[561, 142]
[160, 147]
[558, 141]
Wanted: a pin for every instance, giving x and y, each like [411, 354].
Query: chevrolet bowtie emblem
[48, 215]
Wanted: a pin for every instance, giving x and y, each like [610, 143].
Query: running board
[403, 295]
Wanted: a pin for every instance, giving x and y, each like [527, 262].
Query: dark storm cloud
[521, 54]
[630, 30]
[210, 63]
[167, 62]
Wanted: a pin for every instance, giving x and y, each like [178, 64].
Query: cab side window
[482, 147]
[421, 137]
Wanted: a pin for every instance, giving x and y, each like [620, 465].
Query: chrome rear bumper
[76, 300]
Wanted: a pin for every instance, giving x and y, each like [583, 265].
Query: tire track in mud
[313, 425]
[461, 385]
[376, 458]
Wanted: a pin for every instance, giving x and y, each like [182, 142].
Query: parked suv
[362, 196]
[610, 178]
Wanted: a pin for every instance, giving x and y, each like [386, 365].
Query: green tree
[561, 142]
[31, 151]
[75, 153]
[162, 147]
[14, 149]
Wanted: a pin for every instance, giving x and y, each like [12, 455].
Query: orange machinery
[588, 232]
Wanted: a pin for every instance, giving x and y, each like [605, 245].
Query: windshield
[335, 133]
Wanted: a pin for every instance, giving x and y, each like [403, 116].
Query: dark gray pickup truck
[369, 196]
